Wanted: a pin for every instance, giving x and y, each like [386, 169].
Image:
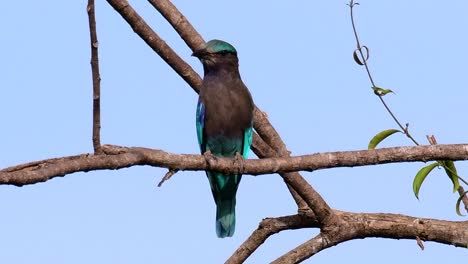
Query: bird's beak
[201, 53]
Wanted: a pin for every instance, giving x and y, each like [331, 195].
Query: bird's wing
[247, 141]
[200, 123]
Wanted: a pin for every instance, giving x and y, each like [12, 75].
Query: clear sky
[296, 59]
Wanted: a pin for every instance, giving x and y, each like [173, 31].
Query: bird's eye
[223, 53]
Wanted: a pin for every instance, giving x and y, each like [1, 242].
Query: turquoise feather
[224, 187]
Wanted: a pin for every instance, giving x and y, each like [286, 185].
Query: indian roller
[224, 120]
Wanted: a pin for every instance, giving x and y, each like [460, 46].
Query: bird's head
[216, 53]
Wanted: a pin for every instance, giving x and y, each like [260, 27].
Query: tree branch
[395, 226]
[304, 251]
[143, 30]
[267, 228]
[96, 78]
[116, 157]
[353, 226]
[362, 225]
[178, 21]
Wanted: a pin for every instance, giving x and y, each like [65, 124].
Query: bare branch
[396, 226]
[116, 157]
[263, 150]
[96, 78]
[268, 227]
[178, 21]
[353, 226]
[156, 43]
[304, 251]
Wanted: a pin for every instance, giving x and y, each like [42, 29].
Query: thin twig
[166, 177]
[96, 78]
[420, 242]
[433, 141]
[364, 62]
[461, 191]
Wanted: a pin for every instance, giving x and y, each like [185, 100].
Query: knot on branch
[113, 149]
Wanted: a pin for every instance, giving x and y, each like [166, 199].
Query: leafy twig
[363, 61]
[361, 56]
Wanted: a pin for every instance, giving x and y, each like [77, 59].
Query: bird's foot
[209, 157]
[239, 161]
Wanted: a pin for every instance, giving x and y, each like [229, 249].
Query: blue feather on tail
[226, 218]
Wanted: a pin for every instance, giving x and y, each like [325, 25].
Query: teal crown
[215, 46]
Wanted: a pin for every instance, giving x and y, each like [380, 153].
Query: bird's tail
[226, 217]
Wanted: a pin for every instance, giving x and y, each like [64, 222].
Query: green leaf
[451, 171]
[356, 58]
[457, 206]
[361, 55]
[381, 91]
[420, 176]
[381, 136]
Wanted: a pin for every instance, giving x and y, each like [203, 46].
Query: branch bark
[381, 225]
[96, 78]
[267, 228]
[116, 157]
[354, 226]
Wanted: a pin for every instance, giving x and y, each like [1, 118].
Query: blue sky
[296, 58]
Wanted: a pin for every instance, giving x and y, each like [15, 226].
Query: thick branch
[267, 228]
[353, 226]
[178, 21]
[115, 157]
[380, 225]
[96, 78]
[263, 150]
[156, 43]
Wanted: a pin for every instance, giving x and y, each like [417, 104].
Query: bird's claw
[239, 160]
[210, 159]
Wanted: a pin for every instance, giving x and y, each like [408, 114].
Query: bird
[224, 124]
